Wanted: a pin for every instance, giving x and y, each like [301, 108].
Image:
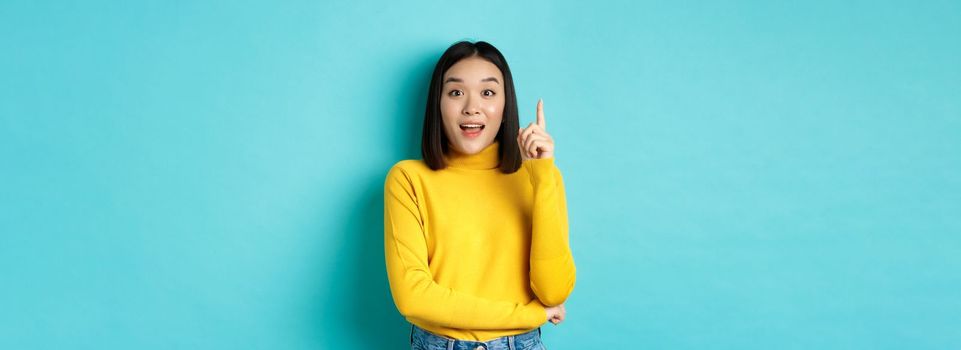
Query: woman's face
[472, 104]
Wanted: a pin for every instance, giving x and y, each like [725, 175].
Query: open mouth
[471, 130]
[472, 127]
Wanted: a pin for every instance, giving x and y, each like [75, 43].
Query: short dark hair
[434, 141]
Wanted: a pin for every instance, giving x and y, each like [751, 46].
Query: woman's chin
[470, 146]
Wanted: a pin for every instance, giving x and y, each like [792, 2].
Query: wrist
[539, 309]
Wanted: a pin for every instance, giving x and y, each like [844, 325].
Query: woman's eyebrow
[459, 80]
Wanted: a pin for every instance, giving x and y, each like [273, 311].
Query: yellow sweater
[473, 253]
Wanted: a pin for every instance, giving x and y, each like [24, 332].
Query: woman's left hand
[556, 314]
[534, 141]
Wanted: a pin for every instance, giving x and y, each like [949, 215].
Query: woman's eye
[455, 93]
[488, 92]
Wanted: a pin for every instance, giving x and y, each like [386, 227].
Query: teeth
[471, 125]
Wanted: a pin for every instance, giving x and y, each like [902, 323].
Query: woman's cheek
[494, 111]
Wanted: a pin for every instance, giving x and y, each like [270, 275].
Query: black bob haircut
[434, 143]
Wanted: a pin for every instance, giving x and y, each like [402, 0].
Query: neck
[487, 158]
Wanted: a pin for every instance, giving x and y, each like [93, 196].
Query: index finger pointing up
[540, 114]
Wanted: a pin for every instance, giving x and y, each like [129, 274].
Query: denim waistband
[511, 342]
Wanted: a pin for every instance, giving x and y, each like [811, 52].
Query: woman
[475, 234]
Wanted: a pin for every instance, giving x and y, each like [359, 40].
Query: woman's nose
[471, 108]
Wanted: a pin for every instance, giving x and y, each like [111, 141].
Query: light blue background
[741, 175]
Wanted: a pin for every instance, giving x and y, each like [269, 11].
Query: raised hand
[534, 141]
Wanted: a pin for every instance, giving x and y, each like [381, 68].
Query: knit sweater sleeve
[416, 294]
[552, 271]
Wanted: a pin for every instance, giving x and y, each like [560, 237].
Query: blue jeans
[421, 339]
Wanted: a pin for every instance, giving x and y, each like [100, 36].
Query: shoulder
[406, 170]
[409, 166]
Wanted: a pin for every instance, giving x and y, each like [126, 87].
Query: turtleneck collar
[485, 159]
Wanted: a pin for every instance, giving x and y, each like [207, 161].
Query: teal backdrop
[740, 174]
